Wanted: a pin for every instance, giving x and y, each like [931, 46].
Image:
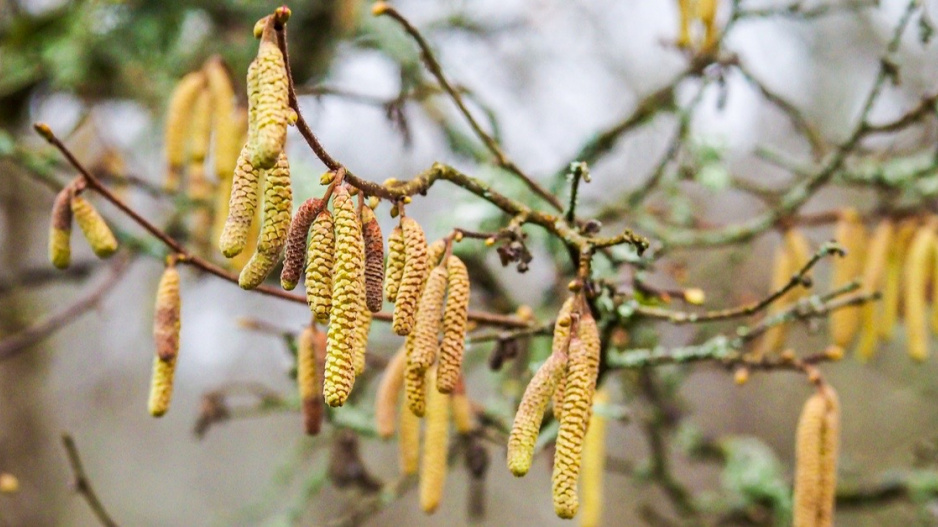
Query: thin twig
[82, 483]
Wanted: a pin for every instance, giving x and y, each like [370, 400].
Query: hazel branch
[82, 483]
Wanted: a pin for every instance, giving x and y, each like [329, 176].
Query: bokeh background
[552, 74]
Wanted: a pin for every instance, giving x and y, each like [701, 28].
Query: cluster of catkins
[70, 204]
[817, 442]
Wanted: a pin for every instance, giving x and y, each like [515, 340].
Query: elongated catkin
[395, 265]
[892, 282]
[295, 249]
[60, 229]
[225, 165]
[241, 205]
[464, 419]
[873, 270]
[582, 369]
[374, 260]
[408, 441]
[167, 315]
[278, 204]
[918, 266]
[415, 382]
[359, 358]
[178, 115]
[319, 263]
[560, 344]
[427, 327]
[308, 380]
[774, 337]
[227, 136]
[200, 128]
[799, 252]
[435, 447]
[93, 226]
[455, 322]
[389, 392]
[817, 443]
[851, 234]
[594, 466]
[346, 283]
[685, 16]
[161, 386]
[271, 102]
[527, 423]
[412, 278]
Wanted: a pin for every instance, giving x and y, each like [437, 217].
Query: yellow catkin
[178, 117]
[455, 320]
[582, 369]
[464, 418]
[388, 394]
[295, 248]
[200, 128]
[60, 229]
[374, 260]
[918, 266]
[361, 337]
[319, 262]
[415, 383]
[167, 315]
[161, 386]
[530, 413]
[685, 12]
[707, 13]
[892, 282]
[873, 270]
[93, 226]
[198, 187]
[241, 205]
[225, 165]
[408, 441]
[270, 102]
[594, 466]
[427, 327]
[395, 265]
[228, 138]
[851, 234]
[560, 344]
[799, 252]
[774, 337]
[415, 269]
[435, 447]
[278, 204]
[346, 284]
[816, 446]
[307, 379]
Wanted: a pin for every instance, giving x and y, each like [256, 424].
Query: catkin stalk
[412, 278]
[278, 204]
[594, 466]
[319, 263]
[873, 270]
[60, 229]
[527, 423]
[167, 315]
[435, 447]
[295, 249]
[389, 391]
[93, 226]
[918, 265]
[395, 265]
[817, 442]
[455, 321]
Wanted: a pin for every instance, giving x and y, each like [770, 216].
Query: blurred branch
[797, 10]
[82, 483]
[41, 276]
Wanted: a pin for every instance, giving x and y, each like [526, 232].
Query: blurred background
[548, 76]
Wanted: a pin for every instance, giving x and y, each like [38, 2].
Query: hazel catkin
[167, 315]
[395, 265]
[415, 382]
[892, 281]
[295, 249]
[594, 466]
[817, 442]
[389, 391]
[60, 229]
[308, 380]
[374, 259]
[873, 270]
[178, 116]
[560, 344]
[224, 120]
[527, 423]
[278, 204]
[435, 447]
[270, 101]
[851, 234]
[161, 386]
[412, 277]
[408, 441]
[464, 419]
[918, 266]
[319, 262]
[93, 226]
[455, 321]
[241, 205]
[427, 328]
[774, 337]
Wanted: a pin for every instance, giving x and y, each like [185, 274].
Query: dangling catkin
[685, 8]
[892, 283]
[582, 368]
[60, 229]
[241, 205]
[455, 320]
[851, 234]
[427, 328]
[817, 442]
[530, 413]
[594, 466]
[395, 266]
[374, 259]
[225, 165]
[560, 344]
[167, 315]
[389, 391]
[774, 337]
[415, 270]
[227, 136]
[359, 359]
[873, 270]
[346, 284]
[918, 265]
[295, 250]
[415, 382]
[319, 262]
[161, 386]
[270, 102]
[278, 204]
[307, 379]
[435, 447]
[200, 127]
[408, 441]
[463, 415]
[178, 115]
[799, 252]
[93, 226]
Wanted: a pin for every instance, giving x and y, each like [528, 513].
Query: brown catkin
[389, 392]
[178, 116]
[346, 284]
[427, 328]
[873, 270]
[319, 263]
[412, 278]
[167, 315]
[60, 229]
[161, 386]
[270, 102]
[816, 446]
[241, 205]
[374, 260]
[464, 417]
[530, 413]
[918, 266]
[594, 466]
[582, 369]
[93, 226]
[395, 265]
[851, 234]
[408, 441]
[278, 204]
[295, 249]
[307, 379]
[560, 344]
[455, 321]
[435, 447]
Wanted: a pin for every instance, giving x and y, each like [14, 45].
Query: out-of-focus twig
[82, 483]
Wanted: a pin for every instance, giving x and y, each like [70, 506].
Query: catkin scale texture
[225, 165]
[241, 205]
[455, 320]
[435, 447]
[278, 204]
[93, 226]
[389, 392]
[295, 249]
[395, 266]
[307, 379]
[374, 260]
[594, 467]
[359, 359]
[270, 102]
[167, 315]
[918, 266]
[60, 229]
[817, 442]
[319, 263]
[345, 316]
[178, 116]
[415, 380]
[527, 423]
[427, 327]
[412, 278]
[559, 344]
[873, 270]
[161, 386]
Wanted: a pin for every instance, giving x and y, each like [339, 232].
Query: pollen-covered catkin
[892, 282]
[873, 270]
[415, 382]
[225, 165]
[93, 226]
[464, 419]
[594, 466]
[295, 250]
[427, 328]
[200, 128]
[412, 278]
[774, 337]
[278, 204]
[270, 102]
[60, 229]
[346, 284]
[307, 379]
[408, 441]
[395, 265]
[319, 262]
[178, 116]
[435, 447]
[241, 205]
[359, 359]
[918, 266]
[851, 234]
[817, 442]
[374, 259]
[560, 344]
[455, 320]
[227, 134]
[167, 315]
[161, 386]
[389, 391]
[582, 369]
[530, 413]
